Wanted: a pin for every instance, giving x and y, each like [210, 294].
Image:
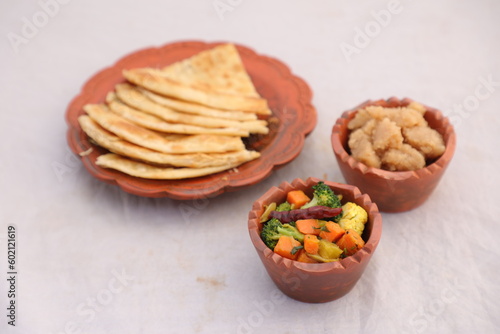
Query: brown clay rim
[448, 134]
[288, 95]
[375, 219]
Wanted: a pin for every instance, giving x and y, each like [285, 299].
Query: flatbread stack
[182, 121]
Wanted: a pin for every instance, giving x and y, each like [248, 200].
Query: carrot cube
[297, 197]
[285, 247]
[303, 257]
[350, 242]
[308, 226]
[331, 232]
[311, 244]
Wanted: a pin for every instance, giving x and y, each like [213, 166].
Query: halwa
[394, 139]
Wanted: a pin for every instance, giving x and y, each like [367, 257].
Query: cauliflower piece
[354, 217]
[428, 141]
[352, 211]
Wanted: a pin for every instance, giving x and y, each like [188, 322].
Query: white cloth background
[93, 259]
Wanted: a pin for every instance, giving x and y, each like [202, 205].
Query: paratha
[142, 170]
[119, 146]
[152, 122]
[197, 109]
[134, 98]
[146, 138]
[153, 80]
[219, 69]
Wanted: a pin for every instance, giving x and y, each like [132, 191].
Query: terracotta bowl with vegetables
[314, 237]
[397, 179]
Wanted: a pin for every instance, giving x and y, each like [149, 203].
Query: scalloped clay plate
[289, 98]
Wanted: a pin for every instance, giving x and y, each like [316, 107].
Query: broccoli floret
[274, 229]
[324, 196]
[285, 206]
[269, 233]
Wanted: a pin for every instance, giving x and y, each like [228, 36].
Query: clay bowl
[393, 191]
[316, 282]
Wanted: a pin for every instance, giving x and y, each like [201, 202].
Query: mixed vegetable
[314, 230]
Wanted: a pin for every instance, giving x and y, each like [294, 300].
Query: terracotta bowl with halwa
[394, 150]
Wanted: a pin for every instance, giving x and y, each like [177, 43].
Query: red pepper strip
[315, 212]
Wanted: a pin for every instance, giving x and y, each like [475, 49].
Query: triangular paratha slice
[153, 80]
[134, 98]
[218, 69]
[149, 139]
[142, 170]
[155, 123]
[197, 109]
[119, 146]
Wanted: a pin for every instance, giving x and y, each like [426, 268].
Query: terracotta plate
[289, 98]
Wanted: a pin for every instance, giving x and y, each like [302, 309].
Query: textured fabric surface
[93, 259]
